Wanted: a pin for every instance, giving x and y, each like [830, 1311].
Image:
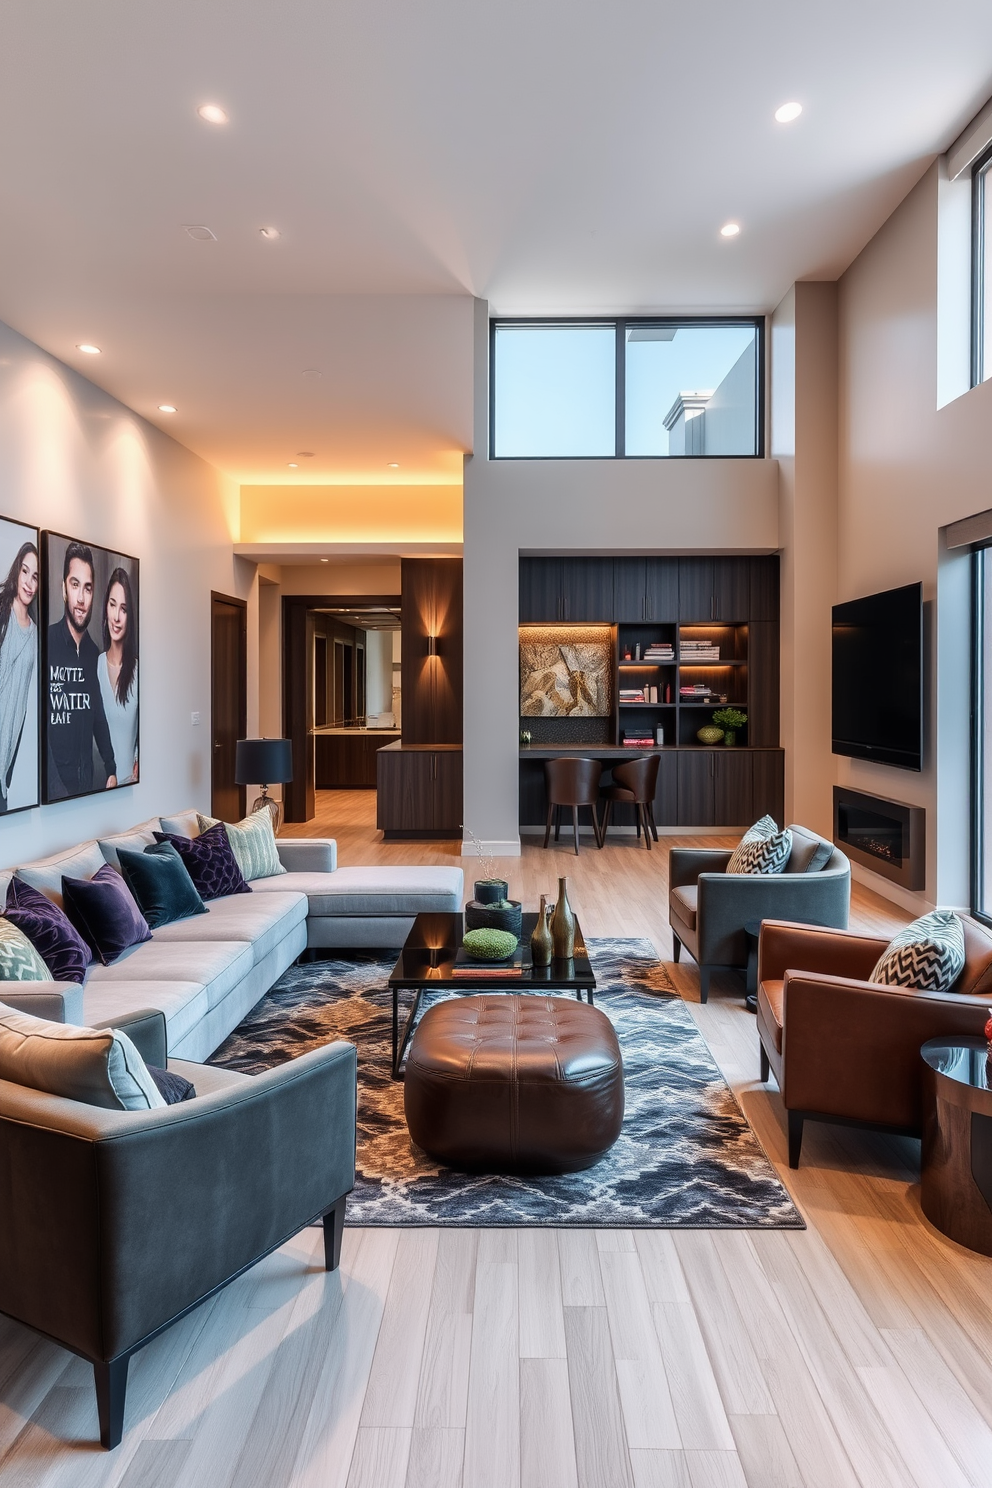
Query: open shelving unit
[666, 707]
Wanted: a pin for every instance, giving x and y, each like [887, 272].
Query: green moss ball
[489, 945]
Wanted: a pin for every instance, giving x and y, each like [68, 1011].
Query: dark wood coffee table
[433, 960]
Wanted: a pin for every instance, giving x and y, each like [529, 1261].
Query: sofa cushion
[136, 840]
[683, 903]
[48, 928]
[19, 961]
[216, 965]
[809, 852]
[45, 874]
[210, 862]
[183, 824]
[160, 883]
[253, 842]
[104, 912]
[98, 1066]
[927, 955]
[774, 996]
[263, 922]
[374, 891]
[184, 1004]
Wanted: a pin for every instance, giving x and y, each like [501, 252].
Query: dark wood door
[629, 585]
[714, 589]
[405, 797]
[696, 799]
[587, 589]
[732, 799]
[228, 702]
[540, 589]
[661, 589]
[448, 791]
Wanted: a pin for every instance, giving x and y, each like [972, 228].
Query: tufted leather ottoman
[514, 1084]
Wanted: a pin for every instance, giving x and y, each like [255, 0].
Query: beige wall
[356, 514]
[74, 460]
[906, 468]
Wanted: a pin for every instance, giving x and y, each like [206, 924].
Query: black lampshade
[263, 762]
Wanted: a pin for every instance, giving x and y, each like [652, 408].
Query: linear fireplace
[885, 836]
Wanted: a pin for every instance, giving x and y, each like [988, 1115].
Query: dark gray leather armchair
[708, 907]
[115, 1224]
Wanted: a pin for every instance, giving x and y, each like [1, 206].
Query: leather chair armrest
[58, 1002]
[787, 946]
[685, 864]
[308, 854]
[147, 1032]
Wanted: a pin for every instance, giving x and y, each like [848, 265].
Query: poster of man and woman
[68, 667]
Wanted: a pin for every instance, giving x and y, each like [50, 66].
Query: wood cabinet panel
[447, 791]
[404, 798]
[764, 574]
[732, 788]
[587, 589]
[540, 589]
[714, 589]
[695, 785]
[768, 785]
[661, 589]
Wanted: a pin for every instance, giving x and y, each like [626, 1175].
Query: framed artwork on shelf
[90, 668]
[20, 666]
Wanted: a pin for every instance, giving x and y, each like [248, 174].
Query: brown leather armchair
[845, 1049]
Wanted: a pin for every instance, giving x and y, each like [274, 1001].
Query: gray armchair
[708, 907]
[115, 1224]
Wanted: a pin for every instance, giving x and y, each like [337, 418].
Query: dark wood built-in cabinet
[419, 790]
[726, 602]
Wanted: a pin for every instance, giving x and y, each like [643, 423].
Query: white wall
[580, 506]
[74, 460]
[906, 468]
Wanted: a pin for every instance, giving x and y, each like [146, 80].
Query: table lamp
[264, 762]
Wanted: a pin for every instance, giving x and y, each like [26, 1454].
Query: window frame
[979, 601]
[621, 325]
[981, 176]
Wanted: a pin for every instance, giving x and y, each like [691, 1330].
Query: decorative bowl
[506, 916]
[709, 734]
[491, 890]
[489, 945]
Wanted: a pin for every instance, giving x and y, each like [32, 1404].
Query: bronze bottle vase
[541, 946]
[563, 925]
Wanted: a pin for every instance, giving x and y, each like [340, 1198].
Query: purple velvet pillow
[54, 937]
[209, 861]
[103, 910]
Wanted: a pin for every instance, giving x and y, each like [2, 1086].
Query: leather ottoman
[514, 1084]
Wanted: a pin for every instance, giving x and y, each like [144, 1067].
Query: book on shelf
[646, 743]
[632, 695]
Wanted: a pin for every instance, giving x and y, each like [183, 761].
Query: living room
[297, 416]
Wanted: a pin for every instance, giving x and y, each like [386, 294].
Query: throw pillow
[210, 862]
[765, 855]
[103, 910]
[137, 840]
[809, 853]
[928, 954]
[763, 829]
[162, 888]
[253, 842]
[99, 1066]
[54, 937]
[183, 824]
[19, 961]
[171, 1087]
[46, 875]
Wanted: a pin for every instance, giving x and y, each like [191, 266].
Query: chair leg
[597, 825]
[637, 819]
[704, 983]
[654, 829]
[604, 825]
[111, 1393]
[333, 1232]
[765, 1068]
[575, 828]
[642, 812]
[547, 824]
[677, 945]
[795, 1137]
[557, 822]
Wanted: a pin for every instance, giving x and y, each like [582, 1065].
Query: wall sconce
[432, 645]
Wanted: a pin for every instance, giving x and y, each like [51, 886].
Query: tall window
[604, 389]
[981, 891]
[982, 268]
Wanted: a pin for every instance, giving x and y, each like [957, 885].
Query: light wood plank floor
[858, 1352]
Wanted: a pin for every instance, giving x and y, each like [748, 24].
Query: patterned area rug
[686, 1157]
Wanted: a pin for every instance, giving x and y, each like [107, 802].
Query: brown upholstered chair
[845, 1049]
[635, 782]
[572, 781]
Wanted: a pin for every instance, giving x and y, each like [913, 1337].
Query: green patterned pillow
[19, 961]
[253, 843]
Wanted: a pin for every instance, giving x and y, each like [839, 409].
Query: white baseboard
[507, 849]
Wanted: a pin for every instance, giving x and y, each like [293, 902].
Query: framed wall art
[20, 666]
[90, 668]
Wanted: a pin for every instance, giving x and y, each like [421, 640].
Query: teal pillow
[160, 884]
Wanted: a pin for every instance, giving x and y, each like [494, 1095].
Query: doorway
[228, 702]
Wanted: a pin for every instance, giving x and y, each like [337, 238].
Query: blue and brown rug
[686, 1158]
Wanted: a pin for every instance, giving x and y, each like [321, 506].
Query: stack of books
[641, 739]
[696, 651]
[660, 651]
[632, 695]
[699, 693]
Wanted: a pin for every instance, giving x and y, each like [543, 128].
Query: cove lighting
[89, 350]
[167, 408]
[212, 113]
[788, 112]
[730, 229]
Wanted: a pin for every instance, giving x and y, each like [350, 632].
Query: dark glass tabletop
[433, 954]
[965, 1060]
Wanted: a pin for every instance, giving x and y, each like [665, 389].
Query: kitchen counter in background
[344, 758]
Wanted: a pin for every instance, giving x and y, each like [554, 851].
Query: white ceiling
[550, 155]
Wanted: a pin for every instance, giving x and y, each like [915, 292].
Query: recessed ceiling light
[730, 229]
[200, 233]
[88, 348]
[167, 408]
[393, 465]
[270, 232]
[304, 454]
[212, 113]
[312, 374]
[325, 560]
[293, 465]
[788, 112]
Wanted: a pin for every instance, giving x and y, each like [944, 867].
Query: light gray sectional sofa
[205, 973]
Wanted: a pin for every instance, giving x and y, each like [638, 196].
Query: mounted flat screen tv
[878, 678]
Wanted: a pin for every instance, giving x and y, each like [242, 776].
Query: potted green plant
[730, 720]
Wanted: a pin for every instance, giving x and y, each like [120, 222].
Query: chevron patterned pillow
[763, 855]
[928, 954]
[760, 832]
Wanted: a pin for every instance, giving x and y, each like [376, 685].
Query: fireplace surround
[888, 837]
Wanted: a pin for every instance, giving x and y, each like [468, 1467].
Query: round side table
[752, 930]
[956, 1168]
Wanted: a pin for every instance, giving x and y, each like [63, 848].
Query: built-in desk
[697, 787]
[344, 758]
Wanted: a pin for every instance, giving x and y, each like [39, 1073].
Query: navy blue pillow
[171, 1087]
[103, 910]
[57, 941]
[210, 862]
[159, 882]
